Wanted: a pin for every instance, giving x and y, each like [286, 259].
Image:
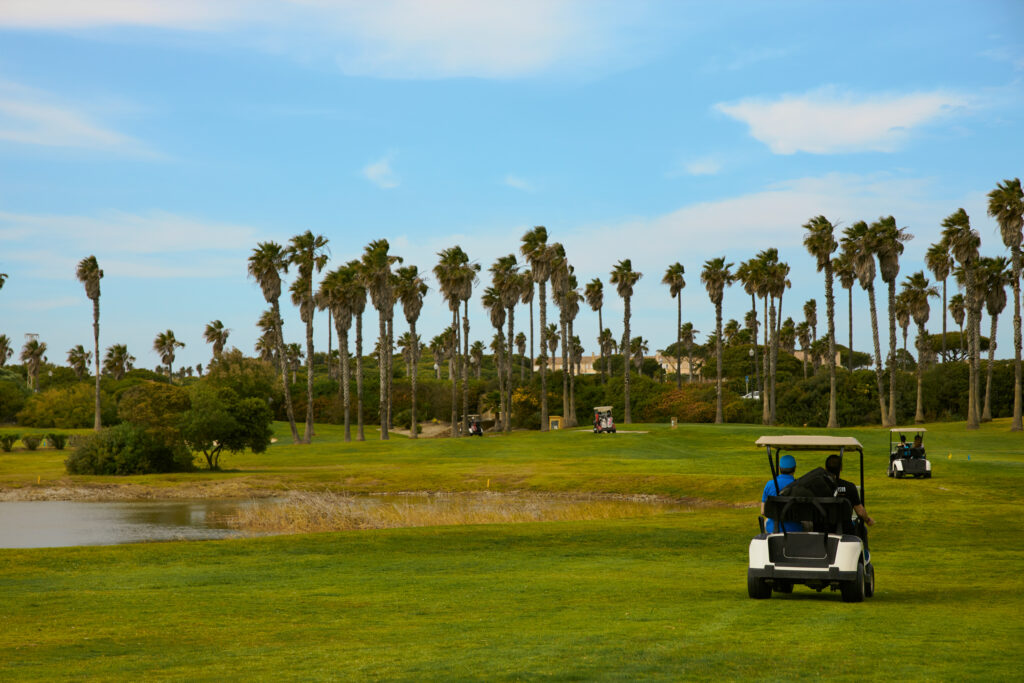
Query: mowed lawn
[657, 597]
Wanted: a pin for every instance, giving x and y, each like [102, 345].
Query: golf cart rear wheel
[869, 581]
[758, 588]
[853, 591]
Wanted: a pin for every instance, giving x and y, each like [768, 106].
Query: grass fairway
[658, 597]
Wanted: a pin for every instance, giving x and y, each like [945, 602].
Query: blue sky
[169, 138]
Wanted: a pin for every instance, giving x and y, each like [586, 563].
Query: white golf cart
[475, 429]
[908, 460]
[822, 556]
[603, 421]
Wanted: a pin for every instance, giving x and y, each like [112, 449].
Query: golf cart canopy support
[804, 442]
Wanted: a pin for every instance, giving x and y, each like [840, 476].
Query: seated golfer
[787, 466]
[848, 490]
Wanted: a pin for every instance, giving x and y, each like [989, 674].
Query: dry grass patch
[308, 512]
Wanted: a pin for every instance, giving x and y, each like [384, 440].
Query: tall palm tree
[716, 276]
[888, 246]
[526, 297]
[688, 336]
[476, 356]
[455, 276]
[78, 359]
[90, 274]
[535, 249]
[571, 298]
[266, 263]
[940, 263]
[765, 261]
[676, 282]
[410, 290]
[974, 303]
[803, 334]
[6, 350]
[493, 304]
[958, 309]
[308, 253]
[963, 244]
[378, 279]
[216, 334]
[33, 355]
[858, 242]
[355, 298]
[593, 292]
[508, 286]
[521, 347]
[821, 243]
[117, 361]
[903, 321]
[997, 274]
[625, 278]
[1006, 205]
[842, 268]
[165, 345]
[777, 283]
[750, 275]
[560, 272]
[337, 291]
[811, 316]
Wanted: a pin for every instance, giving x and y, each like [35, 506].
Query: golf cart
[474, 426]
[908, 459]
[822, 556]
[603, 421]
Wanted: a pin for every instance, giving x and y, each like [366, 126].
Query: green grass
[656, 597]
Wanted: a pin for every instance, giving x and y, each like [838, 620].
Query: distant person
[917, 450]
[787, 467]
[848, 490]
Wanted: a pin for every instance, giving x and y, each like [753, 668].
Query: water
[51, 524]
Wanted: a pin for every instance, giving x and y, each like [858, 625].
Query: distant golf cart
[603, 420]
[822, 556]
[908, 459]
[474, 426]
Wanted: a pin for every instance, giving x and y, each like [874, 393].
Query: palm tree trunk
[571, 418]
[757, 365]
[892, 351]
[565, 371]
[921, 342]
[805, 350]
[413, 431]
[96, 349]
[977, 362]
[679, 340]
[972, 390]
[600, 333]
[391, 361]
[765, 362]
[464, 368]
[330, 345]
[543, 369]
[776, 336]
[830, 310]
[878, 355]
[944, 315]
[289, 410]
[772, 362]
[382, 371]
[344, 388]
[453, 373]
[718, 358]
[986, 414]
[1015, 255]
[531, 337]
[851, 327]
[627, 417]
[360, 436]
[308, 436]
[499, 363]
[507, 422]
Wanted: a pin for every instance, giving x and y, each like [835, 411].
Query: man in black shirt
[834, 465]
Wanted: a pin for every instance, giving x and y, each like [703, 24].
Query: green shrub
[31, 441]
[403, 420]
[127, 449]
[57, 441]
[13, 394]
[7, 441]
[66, 408]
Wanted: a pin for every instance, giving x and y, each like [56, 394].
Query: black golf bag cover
[815, 484]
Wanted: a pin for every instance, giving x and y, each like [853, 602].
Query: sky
[168, 139]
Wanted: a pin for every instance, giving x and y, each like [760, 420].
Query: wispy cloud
[703, 166]
[32, 117]
[62, 14]
[518, 183]
[381, 174]
[827, 121]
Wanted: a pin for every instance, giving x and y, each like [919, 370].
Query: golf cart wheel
[613, 431]
[783, 586]
[853, 591]
[927, 475]
[898, 474]
[869, 581]
[758, 588]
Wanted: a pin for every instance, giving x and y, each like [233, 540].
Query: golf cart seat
[826, 515]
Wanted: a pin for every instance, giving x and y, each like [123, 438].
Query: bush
[403, 420]
[127, 449]
[66, 408]
[13, 394]
[31, 441]
[157, 407]
[57, 441]
[7, 441]
[218, 420]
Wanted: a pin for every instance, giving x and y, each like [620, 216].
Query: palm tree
[266, 263]
[730, 330]
[715, 277]
[78, 359]
[939, 262]
[917, 290]
[308, 253]
[777, 283]
[355, 298]
[90, 274]
[117, 362]
[526, 297]
[476, 356]
[888, 246]
[571, 298]
[811, 316]
[6, 350]
[493, 304]
[293, 354]
[560, 272]
[958, 309]
[638, 348]
[974, 303]
[335, 294]
[521, 347]
[803, 334]
[450, 275]
[903, 321]
[997, 274]
[675, 282]
[217, 335]
[624, 278]
[508, 286]
[963, 244]
[539, 255]
[33, 355]
[410, 290]
[858, 242]
[750, 275]
[842, 268]
[821, 243]
[377, 277]
[1006, 205]
[165, 345]
[593, 292]
[787, 336]
[688, 336]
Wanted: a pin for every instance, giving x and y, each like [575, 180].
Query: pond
[50, 524]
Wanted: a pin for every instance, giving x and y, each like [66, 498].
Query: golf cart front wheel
[853, 591]
[758, 588]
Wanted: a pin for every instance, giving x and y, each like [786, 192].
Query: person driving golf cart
[906, 459]
[603, 421]
[787, 467]
[474, 426]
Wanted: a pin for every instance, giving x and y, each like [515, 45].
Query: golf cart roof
[907, 429]
[808, 442]
[602, 408]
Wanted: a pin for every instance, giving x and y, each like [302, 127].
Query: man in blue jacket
[787, 467]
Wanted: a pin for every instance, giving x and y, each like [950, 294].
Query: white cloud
[381, 174]
[703, 166]
[518, 183]
[64, 14]
[826, 121]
